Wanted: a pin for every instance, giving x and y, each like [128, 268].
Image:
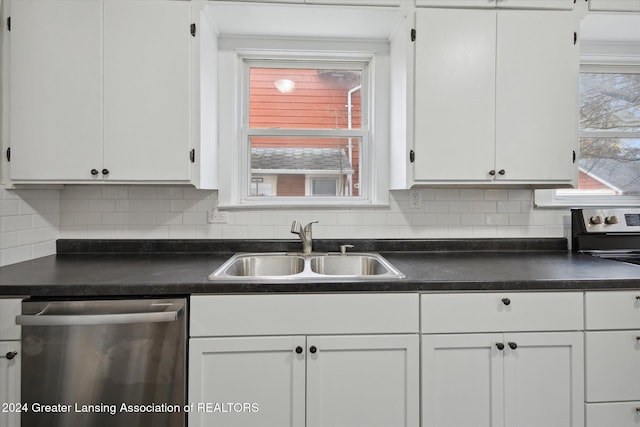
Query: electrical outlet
[415, 199]
[217, 217]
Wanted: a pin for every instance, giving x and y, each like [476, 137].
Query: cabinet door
[519, 4]
[363, 381]
[55, 81]
[147, 90]
[262, 371]
[544, 379]
[454, 95]
[9, 382]
[536, 96]
[615, 5]
[462, 377]
[612, 357]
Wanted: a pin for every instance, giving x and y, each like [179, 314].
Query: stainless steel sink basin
[280, 266]
[259, 265]
[349, 265]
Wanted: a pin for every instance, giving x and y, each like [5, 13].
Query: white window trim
[551, 198]
[234, 151]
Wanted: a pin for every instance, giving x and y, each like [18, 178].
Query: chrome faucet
[304, 234]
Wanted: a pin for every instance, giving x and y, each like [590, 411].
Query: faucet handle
[296, 228]
[343, 249]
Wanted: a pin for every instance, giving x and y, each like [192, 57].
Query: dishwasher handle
[97, 319]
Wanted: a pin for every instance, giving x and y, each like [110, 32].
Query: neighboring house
[616, 176]
[302, 99]
[298, 171]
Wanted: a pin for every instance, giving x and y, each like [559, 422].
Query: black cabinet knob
[492, 172]
[500, 346]
[501, 172]
[298, 349]
[94, 172]
[506, 301]
[313, 349]
[10, 355]
[105, 171]
[513, 345]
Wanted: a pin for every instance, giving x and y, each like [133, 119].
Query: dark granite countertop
[130, 268]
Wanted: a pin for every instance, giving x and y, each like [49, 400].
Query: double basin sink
[282, 266]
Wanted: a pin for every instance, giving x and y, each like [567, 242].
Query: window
[609, 130]
[304, 127]
[304, 119]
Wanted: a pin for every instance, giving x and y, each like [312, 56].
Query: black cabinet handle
[298, 349]
[513, 345]
[313, 349]
[94, 172]
[492, 172]
[506, 301]
[501, 172]
[10, 355]
[105, 171]
[500, 346]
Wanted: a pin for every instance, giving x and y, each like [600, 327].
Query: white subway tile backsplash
[30, 221]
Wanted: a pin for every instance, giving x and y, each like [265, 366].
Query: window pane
[304, 98]
[610, 165]
[610, 101]
[324, 187]
[287, 163]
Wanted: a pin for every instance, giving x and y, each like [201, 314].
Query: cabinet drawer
[612, 310]
[620, 414]
[501, 312]
[612, 366]
[9, 309]
[229, 315]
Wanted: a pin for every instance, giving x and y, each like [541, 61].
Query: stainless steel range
[607, 233]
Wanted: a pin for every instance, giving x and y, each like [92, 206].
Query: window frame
[238, 54]
[558, 198]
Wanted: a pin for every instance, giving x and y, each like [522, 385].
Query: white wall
[181, 212]
[29, 224]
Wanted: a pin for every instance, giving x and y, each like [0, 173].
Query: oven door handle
[97, 319]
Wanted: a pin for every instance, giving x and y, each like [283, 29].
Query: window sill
[549, 199]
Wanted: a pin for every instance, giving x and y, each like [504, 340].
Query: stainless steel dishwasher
[95, 363]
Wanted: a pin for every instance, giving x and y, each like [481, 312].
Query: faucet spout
[305, 234]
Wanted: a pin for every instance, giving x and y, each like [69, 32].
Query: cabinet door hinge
[9, 154]
[192, 155]
[193, 30]
[413, 34]
[9, 23]
[412, 156]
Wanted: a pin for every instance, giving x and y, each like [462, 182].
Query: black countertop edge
[104, 246]
[182, 290]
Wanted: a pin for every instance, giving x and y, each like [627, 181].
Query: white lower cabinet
[10, 383]
[612, 358]
[10, 354]
[327, 368]
[317, 381]
[495, 380]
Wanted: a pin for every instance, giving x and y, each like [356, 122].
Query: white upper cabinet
[615, 5]
[147, 90]
[496, 96]
[500, 4]
[101, 91]
[55, 81]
